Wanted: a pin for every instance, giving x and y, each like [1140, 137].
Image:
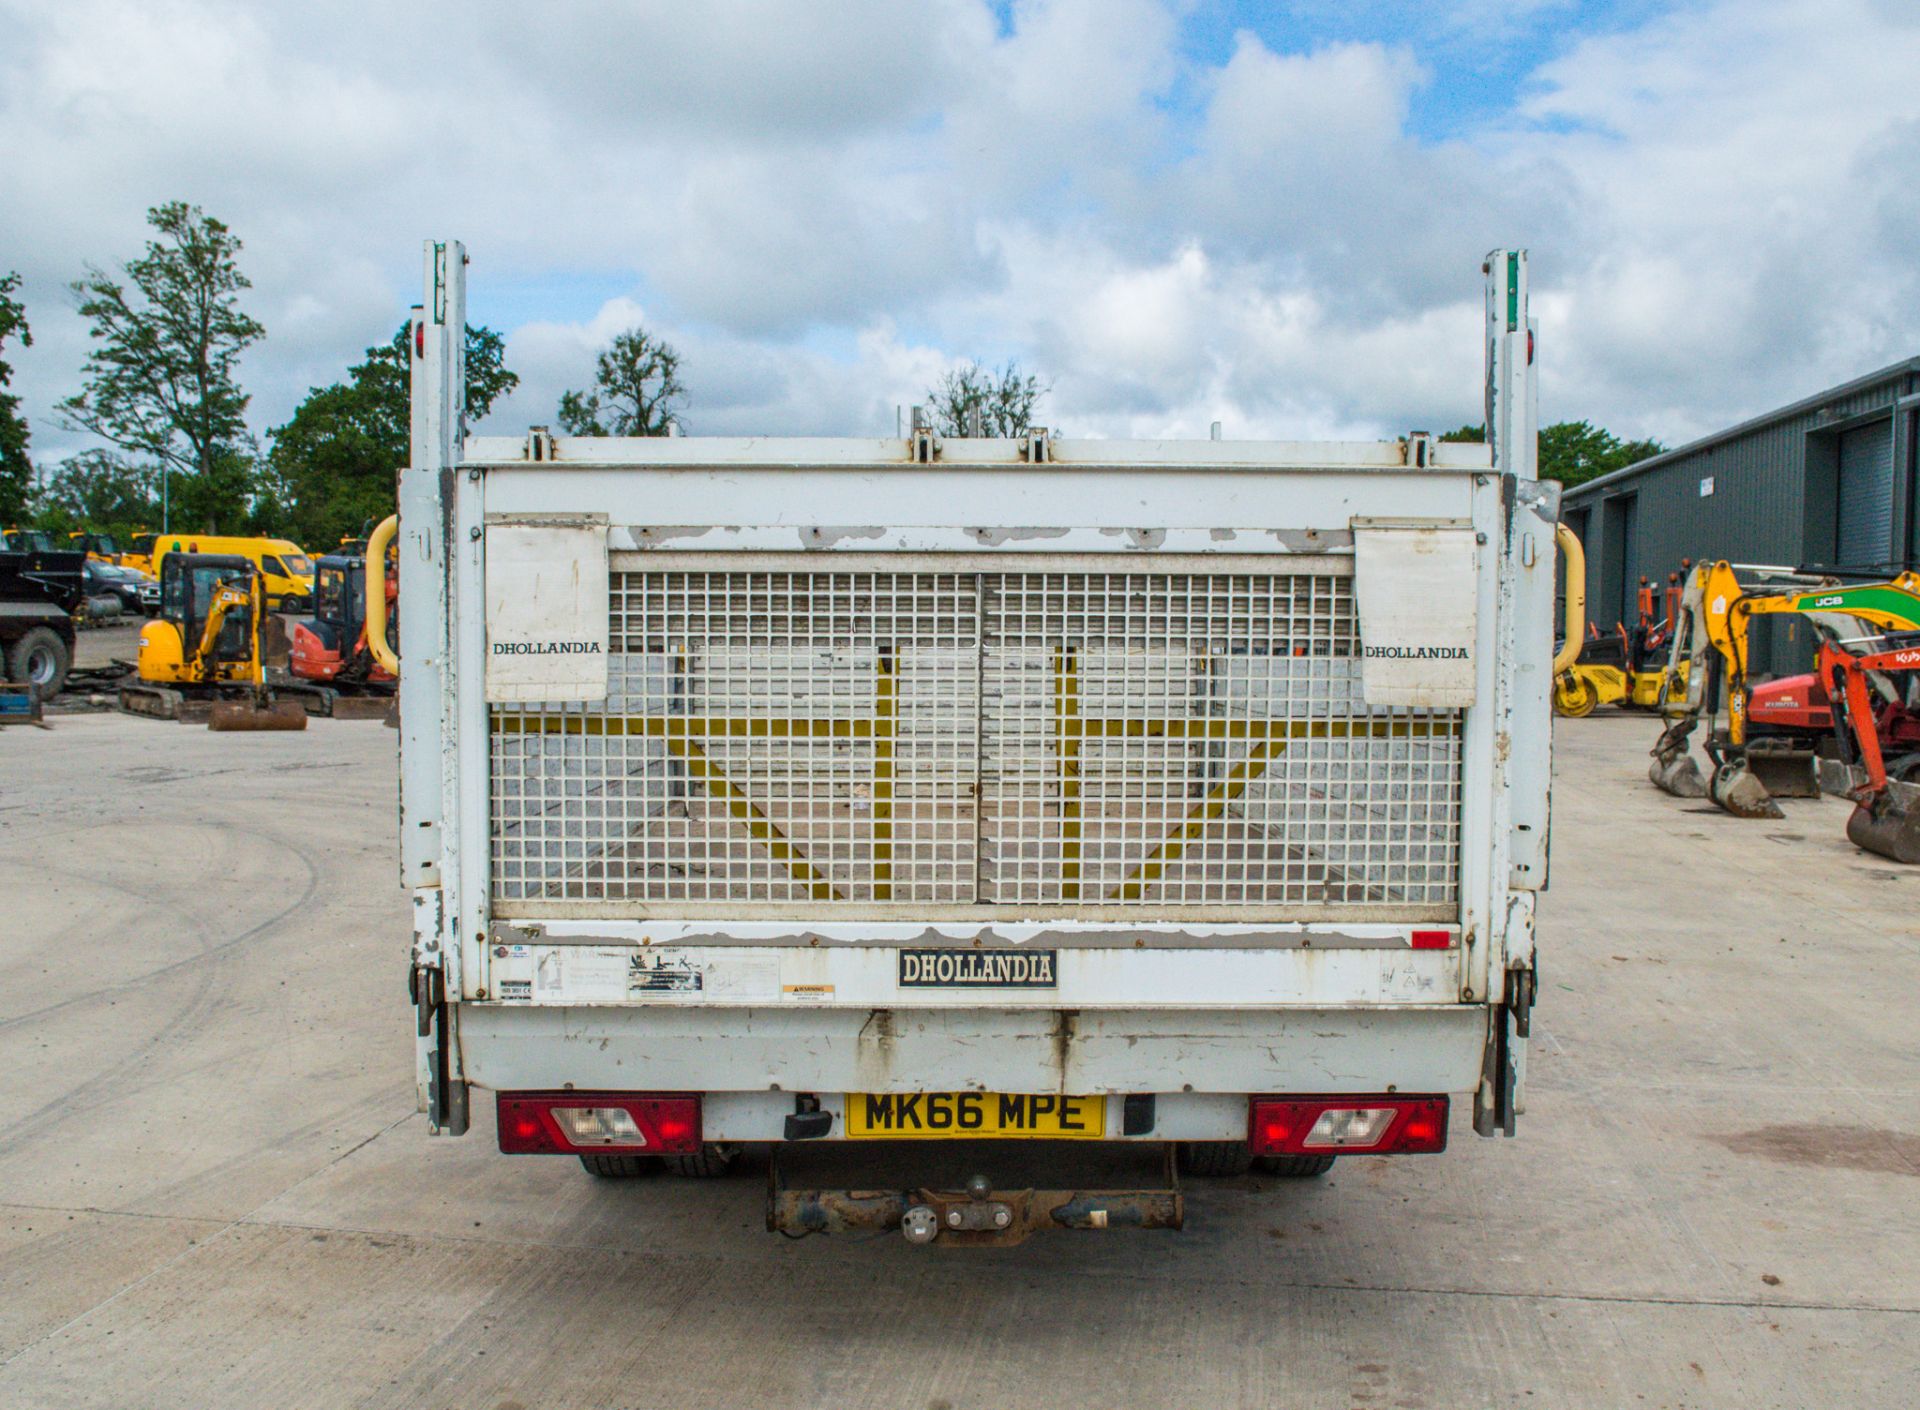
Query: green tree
[334, 465]
[160, 382]
[16, 470]
[1574, 452]
[636, 390]
[972, 400]
[99, 490]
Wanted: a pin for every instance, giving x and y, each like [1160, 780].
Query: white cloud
[825, 205]
[746, 386]
[1740, 163]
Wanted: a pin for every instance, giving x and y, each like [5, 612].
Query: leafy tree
[636, 389]
[334, 466]
[972, 400]
[16, 470]
[161, 381]
[99, 490]
[1574, 452]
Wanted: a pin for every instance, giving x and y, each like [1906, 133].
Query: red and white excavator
[354, 612]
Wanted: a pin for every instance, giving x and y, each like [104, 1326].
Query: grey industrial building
[1827, 481]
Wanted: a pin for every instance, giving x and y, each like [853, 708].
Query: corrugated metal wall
[1765, 492]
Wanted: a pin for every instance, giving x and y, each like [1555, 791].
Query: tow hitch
[1133, 1186]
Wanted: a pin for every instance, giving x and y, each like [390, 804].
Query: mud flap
[445, 1093]
[1500, 1097]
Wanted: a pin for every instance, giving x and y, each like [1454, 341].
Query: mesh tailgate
[1054, 742]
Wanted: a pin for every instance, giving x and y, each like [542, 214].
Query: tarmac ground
[215, 1191]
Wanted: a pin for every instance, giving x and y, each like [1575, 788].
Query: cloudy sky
[1270, 215]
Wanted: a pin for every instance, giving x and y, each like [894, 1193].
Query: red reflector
[420, 339]
[549, 1123]
[1432, 940]
[1322, 1125]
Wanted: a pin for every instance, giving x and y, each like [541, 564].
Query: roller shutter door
[1866, 495]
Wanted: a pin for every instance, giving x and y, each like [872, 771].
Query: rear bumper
[749, 1063]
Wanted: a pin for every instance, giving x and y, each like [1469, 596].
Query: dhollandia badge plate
[979, 969]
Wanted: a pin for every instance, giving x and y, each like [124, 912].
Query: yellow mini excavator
[208, 645]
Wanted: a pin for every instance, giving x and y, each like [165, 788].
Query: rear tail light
[1362, 1125]
[562, 1123]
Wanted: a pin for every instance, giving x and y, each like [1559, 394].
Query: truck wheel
[1296, 1167]
[620, 1167]
[1211, 1158]
[713, 1159]
[39, 658]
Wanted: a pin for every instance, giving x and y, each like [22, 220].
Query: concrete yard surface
[214, 1190]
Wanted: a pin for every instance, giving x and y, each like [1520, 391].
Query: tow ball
[981, 1213]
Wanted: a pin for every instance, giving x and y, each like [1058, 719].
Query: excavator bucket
[1784, 773]
[1887, 829]
[1736, 788]
[276, 648]
[1673, 769]
[251, 715]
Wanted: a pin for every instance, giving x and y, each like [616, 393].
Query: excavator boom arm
[227, 600]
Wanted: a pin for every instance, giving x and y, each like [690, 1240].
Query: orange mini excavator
[330, 648]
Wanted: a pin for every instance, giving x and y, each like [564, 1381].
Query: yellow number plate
[921, 1116]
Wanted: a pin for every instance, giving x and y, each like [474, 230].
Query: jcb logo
[1831, 601]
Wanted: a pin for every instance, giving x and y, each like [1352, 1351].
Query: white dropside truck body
[1032, 797]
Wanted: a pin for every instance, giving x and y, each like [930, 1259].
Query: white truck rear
[1040, 797]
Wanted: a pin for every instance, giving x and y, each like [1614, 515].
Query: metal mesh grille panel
[1053, 741]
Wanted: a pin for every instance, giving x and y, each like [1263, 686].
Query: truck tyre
[1297, 1167]
[713, 1159]
[1212, 1158]
[39, 658]
[620, 1167]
